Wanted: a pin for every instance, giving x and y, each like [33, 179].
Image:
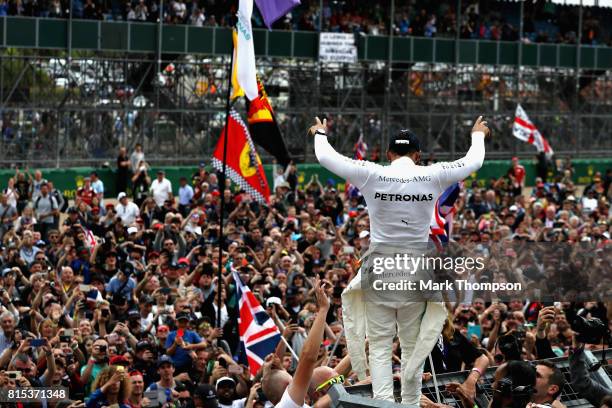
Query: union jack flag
[361, 149]
[259, 336]
[442, 222]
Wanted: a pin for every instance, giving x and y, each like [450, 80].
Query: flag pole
[222, 206]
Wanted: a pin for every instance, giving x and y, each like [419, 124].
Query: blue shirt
[115, 284]
[185, 194]
[181, 356]
[98, 400]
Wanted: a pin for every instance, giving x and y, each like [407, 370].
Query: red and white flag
[243, 163]
[525, 130]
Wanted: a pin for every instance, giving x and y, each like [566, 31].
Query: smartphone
[105, 312]
[349, 250]
[13, 375]
[37, 342]
[84, 288]
[474, 329]
[120, 368]
[209, 367]
[222, 362]
[165, 291]
[180, 333]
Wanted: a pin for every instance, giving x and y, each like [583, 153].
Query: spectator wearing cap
[166, 385]
[127, 211]
[161, 189]
[137, 387]
[226, 393]
[185, 196]
[145, 361]
[73, 217]
[204, 396]
[182, 342]
[47, 209]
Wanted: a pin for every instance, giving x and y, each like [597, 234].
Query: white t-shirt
[239, 403]
[287, 402]
[401, 197]
[128, 213]
[161, 191]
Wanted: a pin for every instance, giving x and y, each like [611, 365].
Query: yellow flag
[237, 90]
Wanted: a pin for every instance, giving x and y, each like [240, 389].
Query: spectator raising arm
[299, 386]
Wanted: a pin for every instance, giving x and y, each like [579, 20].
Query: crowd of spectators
[115, 298]
[543, 21]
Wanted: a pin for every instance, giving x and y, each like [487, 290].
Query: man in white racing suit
[401, 199]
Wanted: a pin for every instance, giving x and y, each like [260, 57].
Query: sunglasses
[334, 380]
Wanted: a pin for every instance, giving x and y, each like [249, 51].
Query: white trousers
[382, 324]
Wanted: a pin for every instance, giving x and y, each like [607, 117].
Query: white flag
[246, 50]
[525, 130]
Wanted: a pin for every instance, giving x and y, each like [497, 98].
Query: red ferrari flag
[243, 163]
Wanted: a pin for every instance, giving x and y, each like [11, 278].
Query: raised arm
[451, 172]
[356, 171]
[308, 358]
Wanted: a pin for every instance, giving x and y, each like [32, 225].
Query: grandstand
[117, 84]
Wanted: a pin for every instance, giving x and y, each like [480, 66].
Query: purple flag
[272, 10]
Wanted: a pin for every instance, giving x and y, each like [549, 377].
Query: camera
[590, 331]
[510, 346]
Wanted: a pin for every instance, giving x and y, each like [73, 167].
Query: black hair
[556, 378]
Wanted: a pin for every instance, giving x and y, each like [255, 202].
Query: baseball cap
[132, 230]
[165, 359]
[225, 380]
[404, 142]
[183, 316]
[6, 271]
[119, 360]
[143, 345]
[207, 394]
[121, 195]
[183, 261]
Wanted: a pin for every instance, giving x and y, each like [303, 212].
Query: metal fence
[59, 112]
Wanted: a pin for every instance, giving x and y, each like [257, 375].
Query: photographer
[97, 362]
[588, 331]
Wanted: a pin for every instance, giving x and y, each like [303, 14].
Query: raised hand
[318, 125]
[481, 126]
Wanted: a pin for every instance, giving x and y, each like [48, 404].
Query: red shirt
[519, 174]
[85, 195]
